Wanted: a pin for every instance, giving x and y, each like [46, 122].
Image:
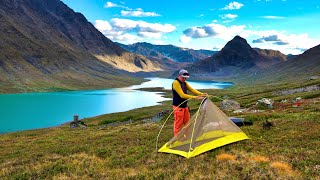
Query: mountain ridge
[171, 52]
[235, 57]
[46, 44]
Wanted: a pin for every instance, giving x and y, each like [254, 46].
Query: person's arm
[177, 87]
[194, 91]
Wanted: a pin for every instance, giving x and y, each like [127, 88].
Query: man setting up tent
[207, 129]
[180, 89]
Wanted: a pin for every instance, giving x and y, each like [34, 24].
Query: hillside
[286, 151]
[272, 56]
[168, 52]
[303, 67]
[142, 49]
[45, 45]
[308, 62]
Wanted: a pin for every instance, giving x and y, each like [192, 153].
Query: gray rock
[314, 77]
[265, 102]
[297, 99]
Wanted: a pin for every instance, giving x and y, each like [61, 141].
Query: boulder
[265, 102]
[297, 99]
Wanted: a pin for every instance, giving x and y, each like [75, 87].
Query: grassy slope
[287, 151]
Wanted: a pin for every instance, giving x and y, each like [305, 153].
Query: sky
[290, 26]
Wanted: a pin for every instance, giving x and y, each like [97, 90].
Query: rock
[229, 105]
[314, 77]
[297, 99]
[265, 102]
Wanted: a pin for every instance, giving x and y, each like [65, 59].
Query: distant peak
[237, 42]
[144, 43]
[238, 38]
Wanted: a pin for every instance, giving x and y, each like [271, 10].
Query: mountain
[272, 56]
[46, 44]
[155, 56]
[302, 66]
[302, 69]
[237, 56]
[168, 52]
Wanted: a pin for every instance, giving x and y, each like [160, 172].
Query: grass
[225, 157]
[287, 151]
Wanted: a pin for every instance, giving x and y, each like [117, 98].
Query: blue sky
[291, 26]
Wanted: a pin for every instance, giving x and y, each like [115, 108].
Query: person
[180, 89]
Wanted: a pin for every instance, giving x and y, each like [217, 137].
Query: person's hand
[204, 94]
[200, 97]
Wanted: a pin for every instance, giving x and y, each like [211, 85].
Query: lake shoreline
[48, 89]
[48, 109]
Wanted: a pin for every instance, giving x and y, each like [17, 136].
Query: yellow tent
[207, 129]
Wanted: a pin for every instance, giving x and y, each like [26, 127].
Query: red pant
[181, 117]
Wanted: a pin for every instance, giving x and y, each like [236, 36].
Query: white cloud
[233, 5]
[150, 35]
[123, 24]
[127, 24]
[185, 39]
[155, 27]
[113, 33]
[103, 25]
[272, 38]
[105, 28]
[272, 17]
[113, 5]
[228, 16]
[139, 13]
[130, 30]
[129, 38]
[286, 42]
[110, 5]
[213, 30]
[282, 41]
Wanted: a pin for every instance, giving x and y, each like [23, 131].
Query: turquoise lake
[39, 110]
